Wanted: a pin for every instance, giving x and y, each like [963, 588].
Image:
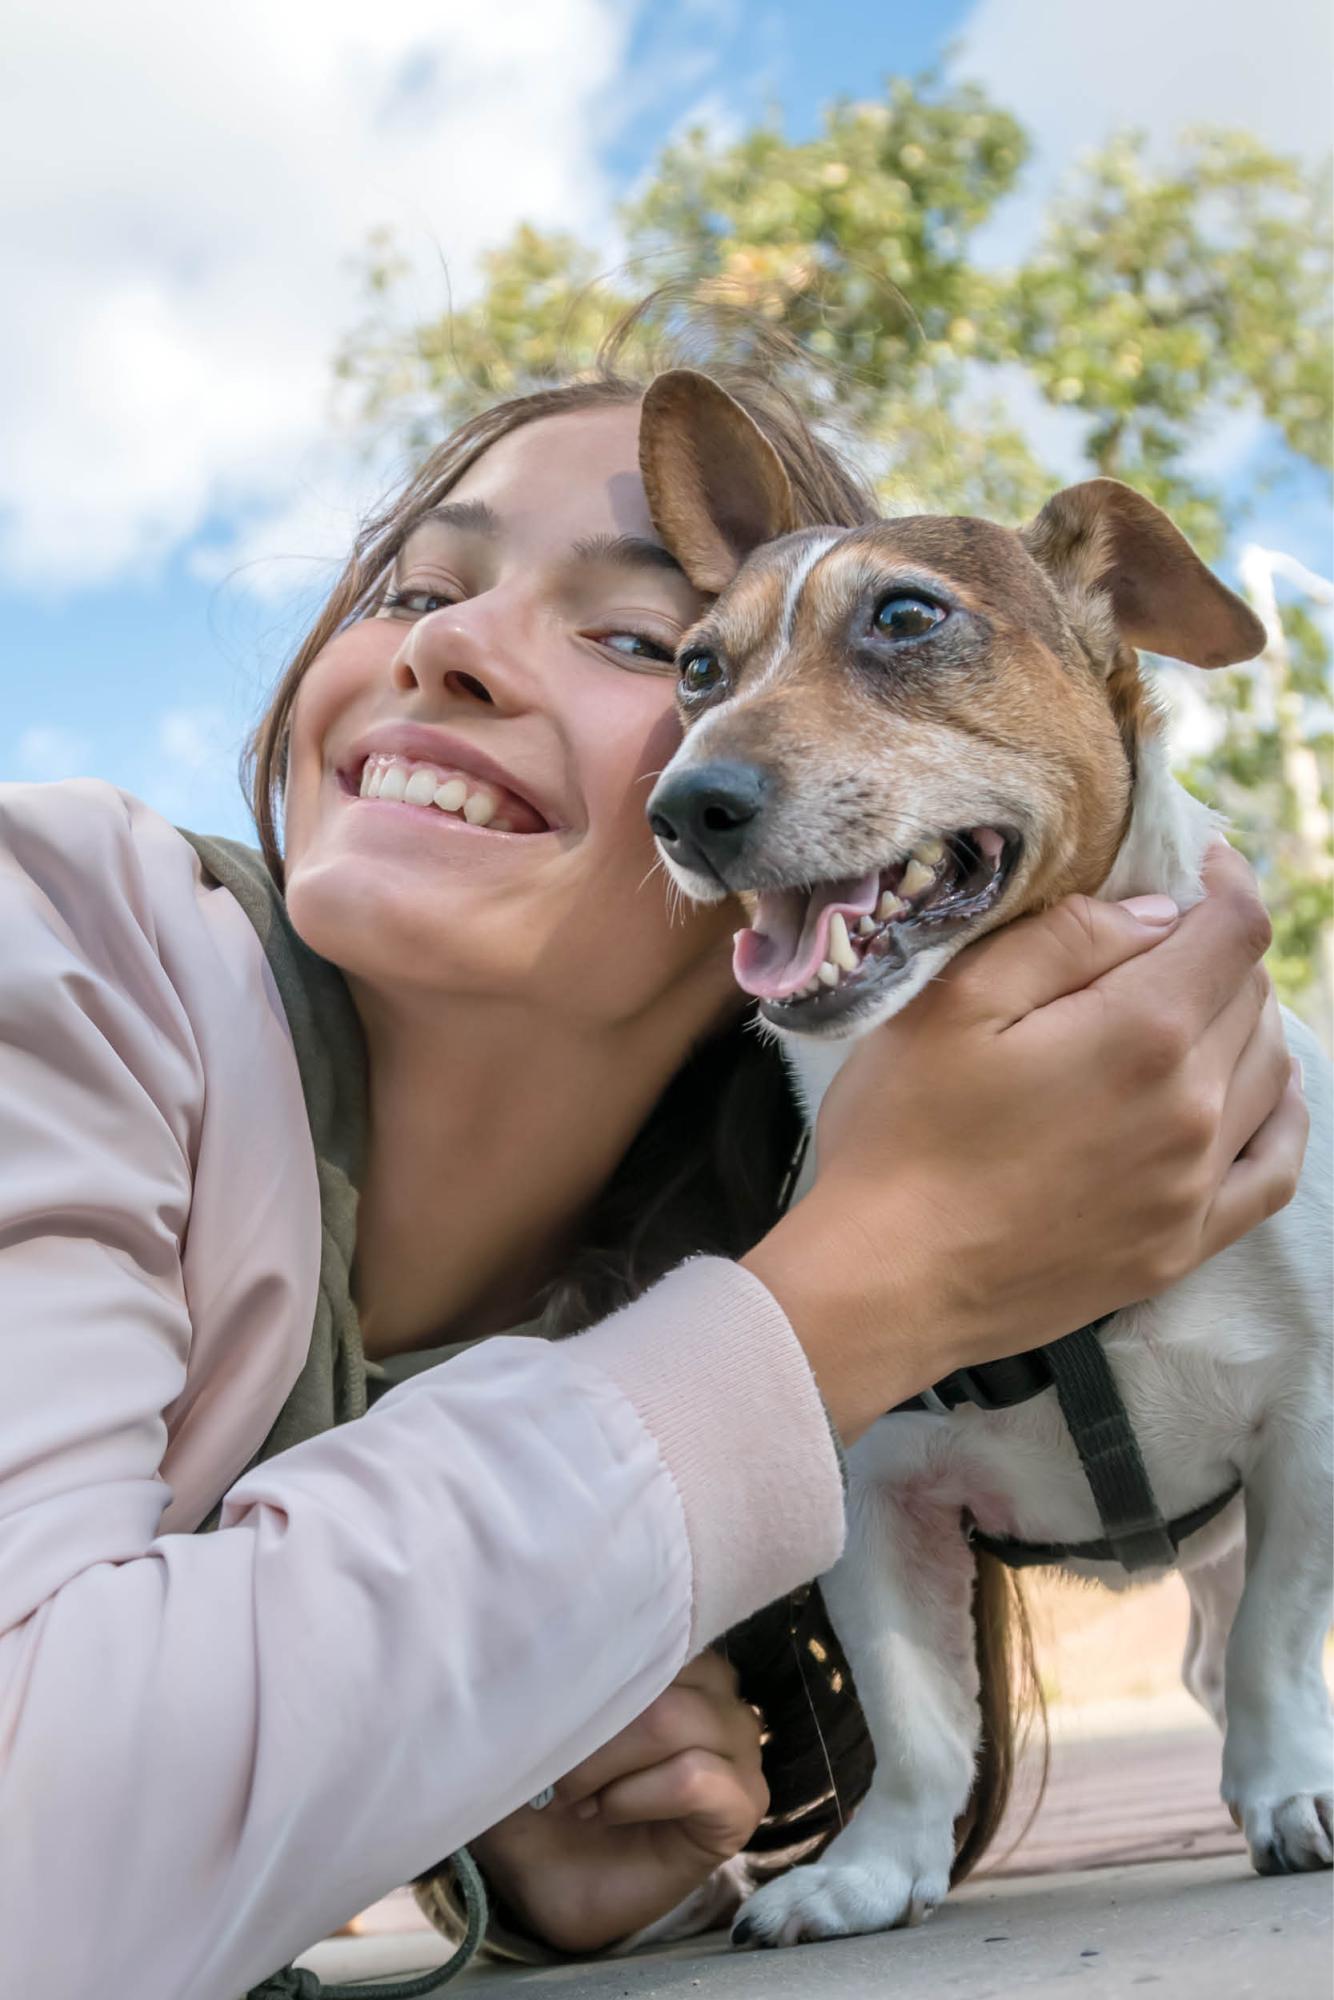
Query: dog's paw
[838, 1899]
[1289, 1838]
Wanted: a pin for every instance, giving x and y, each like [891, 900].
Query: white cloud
[47, 750]
[183, 194]
[1075, 73]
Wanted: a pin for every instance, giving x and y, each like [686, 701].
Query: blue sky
[182, 197]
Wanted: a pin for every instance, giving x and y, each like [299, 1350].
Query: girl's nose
[458, 652]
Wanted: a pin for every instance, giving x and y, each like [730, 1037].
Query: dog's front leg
[1278, 1749]
[900, 1600]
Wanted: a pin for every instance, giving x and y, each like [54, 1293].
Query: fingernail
[1156, 911]
[1300, 1075]
[586, 1809]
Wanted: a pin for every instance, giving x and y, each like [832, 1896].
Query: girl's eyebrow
[626, 552]
[472, 516]
[622, 551]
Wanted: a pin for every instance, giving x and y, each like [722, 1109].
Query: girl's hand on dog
[639, 1825]
[1081, 1110]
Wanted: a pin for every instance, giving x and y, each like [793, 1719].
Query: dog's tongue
[788, 940]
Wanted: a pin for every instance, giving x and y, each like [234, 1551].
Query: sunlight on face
[524, 650]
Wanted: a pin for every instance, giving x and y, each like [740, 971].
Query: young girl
[468, 1073]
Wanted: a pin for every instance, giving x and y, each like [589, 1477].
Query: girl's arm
[215, 1748]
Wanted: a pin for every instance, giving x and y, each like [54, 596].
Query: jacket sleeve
[214, 1749]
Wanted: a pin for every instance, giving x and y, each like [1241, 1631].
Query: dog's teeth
[930, 852]
[916, 878]
[865, 925]
[828, 974]
[889, 907]
[840, 944]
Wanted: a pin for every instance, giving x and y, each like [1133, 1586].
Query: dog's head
[901, 735]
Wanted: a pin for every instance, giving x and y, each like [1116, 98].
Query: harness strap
[1028, 1555]
[1134, 1532]
[1109, 1451]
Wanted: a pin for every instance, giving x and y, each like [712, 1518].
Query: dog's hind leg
[900, 1600]
[1278, 1749]
[1215, 1592]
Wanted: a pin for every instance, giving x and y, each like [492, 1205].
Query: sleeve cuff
[711, 1365]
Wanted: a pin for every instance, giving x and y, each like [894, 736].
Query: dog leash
[296, 1982]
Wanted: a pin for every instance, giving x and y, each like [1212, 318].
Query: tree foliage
[1159, 298]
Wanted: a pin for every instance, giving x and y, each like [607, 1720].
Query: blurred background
[258, 258]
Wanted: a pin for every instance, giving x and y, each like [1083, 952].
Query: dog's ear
[1103, 538]
[716, 487]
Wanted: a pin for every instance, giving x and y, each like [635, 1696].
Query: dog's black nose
[703, 816]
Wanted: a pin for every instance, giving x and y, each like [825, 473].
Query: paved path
[1175, 1929]
[1131, 1881]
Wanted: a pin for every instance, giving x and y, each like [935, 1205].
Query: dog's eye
[700, 673]
[905, 617]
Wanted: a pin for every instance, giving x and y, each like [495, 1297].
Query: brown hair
[711, 1169]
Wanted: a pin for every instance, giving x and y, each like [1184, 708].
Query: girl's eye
[700, 673]
[415, 603]
[905, 617]
[636, 647]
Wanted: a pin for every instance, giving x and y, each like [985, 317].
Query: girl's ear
[716, 487]
[1103, 537]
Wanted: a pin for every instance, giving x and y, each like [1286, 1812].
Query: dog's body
[1226, 1376]
[1228, 1373]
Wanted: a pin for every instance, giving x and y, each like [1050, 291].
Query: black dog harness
[1134, 1532]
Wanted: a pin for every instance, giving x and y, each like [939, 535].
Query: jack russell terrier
[900, 736]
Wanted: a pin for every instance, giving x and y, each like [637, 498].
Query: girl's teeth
[391, 779]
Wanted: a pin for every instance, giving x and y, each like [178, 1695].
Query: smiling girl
[276, 1137]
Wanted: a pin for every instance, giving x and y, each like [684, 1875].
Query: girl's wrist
[862, 1331]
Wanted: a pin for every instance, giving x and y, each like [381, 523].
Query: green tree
[1160, 297]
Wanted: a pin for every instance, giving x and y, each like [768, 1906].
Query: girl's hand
[1080, 1111]
[640, 1824]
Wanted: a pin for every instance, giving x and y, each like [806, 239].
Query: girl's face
[521, 665]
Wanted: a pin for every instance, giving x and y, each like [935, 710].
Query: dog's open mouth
[812, 952]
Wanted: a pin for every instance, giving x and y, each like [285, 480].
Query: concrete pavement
[1164, 1930]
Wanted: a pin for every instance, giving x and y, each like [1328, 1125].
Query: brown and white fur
[1022, 710]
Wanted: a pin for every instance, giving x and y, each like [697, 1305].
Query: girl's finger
[1264, 1178]
[681, 1719]
[1257, 1083]
[723, 1801]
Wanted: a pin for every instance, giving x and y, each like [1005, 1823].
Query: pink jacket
[214, 1749]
